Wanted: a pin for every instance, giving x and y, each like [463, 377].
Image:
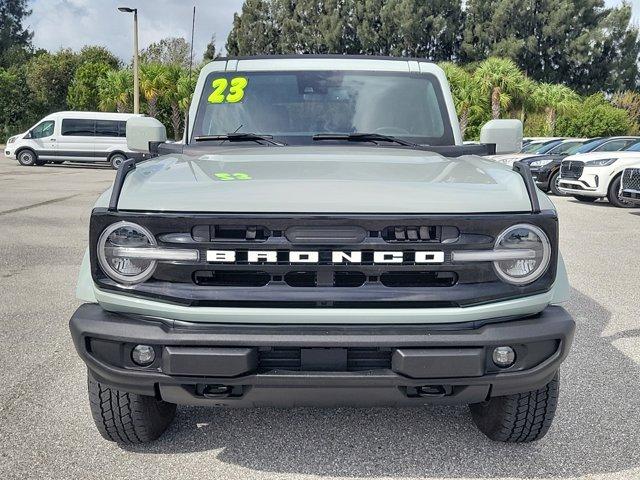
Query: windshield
[294, 106]
[565, 147]
[585, 148]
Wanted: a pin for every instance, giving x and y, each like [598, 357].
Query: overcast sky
[75, 23]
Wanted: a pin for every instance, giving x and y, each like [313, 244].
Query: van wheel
[613, 194]
[116, 160]
[27, 157]
[128, 418]
[519, 418]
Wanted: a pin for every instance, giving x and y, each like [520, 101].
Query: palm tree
[115, 91]
[554, 99]
[501, 81]
[154, 83]
[466, 93]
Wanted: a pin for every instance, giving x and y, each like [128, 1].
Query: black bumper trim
[382, 386]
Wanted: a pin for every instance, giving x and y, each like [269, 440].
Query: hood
[323, 179]
[585, 157]
[510, 158]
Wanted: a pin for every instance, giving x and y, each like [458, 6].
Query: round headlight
[536, 248]
[115, 240]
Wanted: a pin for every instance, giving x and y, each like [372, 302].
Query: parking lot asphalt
[46, 430]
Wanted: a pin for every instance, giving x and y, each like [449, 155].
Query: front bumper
[329, 365]
[593, 182]
[632, 196]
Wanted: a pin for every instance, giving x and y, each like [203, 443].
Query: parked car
[299, 262]
[74, 137]
[537, 147]
[630, 185]
[546, 168]
[590, 176]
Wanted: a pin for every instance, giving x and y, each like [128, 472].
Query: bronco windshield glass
[294, 106]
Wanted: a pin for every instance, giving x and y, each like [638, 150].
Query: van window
[44, 129]
[122, 129]
[107, 128]
[78, 127]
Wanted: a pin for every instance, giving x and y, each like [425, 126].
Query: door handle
[53, 139]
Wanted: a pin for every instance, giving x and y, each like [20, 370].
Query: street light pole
[136, 80]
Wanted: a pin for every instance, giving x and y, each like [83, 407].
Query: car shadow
[77, 165]
[596, 429]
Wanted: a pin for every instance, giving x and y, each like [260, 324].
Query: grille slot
[571, 169]
[209, 233]
[229, 278]
[358, 359]
[418, 279]
[631, 179]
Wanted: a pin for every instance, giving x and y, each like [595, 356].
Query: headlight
[540, 163]
[129, 253]
[115, 242]
[531, 251]
[11, 139]
[605, 162]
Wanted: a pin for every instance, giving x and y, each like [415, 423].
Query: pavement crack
[39, 204]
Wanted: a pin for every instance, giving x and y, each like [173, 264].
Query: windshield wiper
[364, 137]
[240, 137]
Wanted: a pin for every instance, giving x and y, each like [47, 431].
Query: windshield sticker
[226, 177]
[235, 90]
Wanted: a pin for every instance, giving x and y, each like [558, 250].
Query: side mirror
[143, 130]
[506, 134]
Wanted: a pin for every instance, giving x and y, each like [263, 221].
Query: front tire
[519, 418]
[27, 158]
[116, 160]
[553, 184]
[128, 418]
[582, 198]
[613, 194]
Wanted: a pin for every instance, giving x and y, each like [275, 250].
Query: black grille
[631, 179]
[323, 282]
[571, 169]
[356, 359]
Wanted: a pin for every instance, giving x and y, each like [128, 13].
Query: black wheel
[27, 157]
[519, 418]
[582, 198]
[613, 194]
[128, 418]
[553, 184]
[116, 160]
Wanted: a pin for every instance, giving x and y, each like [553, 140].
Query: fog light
[504, 356]
[143, 355]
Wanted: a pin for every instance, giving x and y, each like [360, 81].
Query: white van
[74, 137]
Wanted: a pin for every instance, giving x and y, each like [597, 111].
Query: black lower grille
[631, 179]
[344, 359]
[571, 169]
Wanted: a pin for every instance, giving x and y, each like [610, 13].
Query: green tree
[153, 84]
[115, 91]
[500, 80]
[253, 31]
[467, 95]
[593, 117]
[630, 101]
[210, 52]
[98, 54]
[15, 39]
[554, 99]
[83, 93]
[18, 108]
[168, 51]
[576, 42]
[49, 76]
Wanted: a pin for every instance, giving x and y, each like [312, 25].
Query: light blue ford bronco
[322, 237]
